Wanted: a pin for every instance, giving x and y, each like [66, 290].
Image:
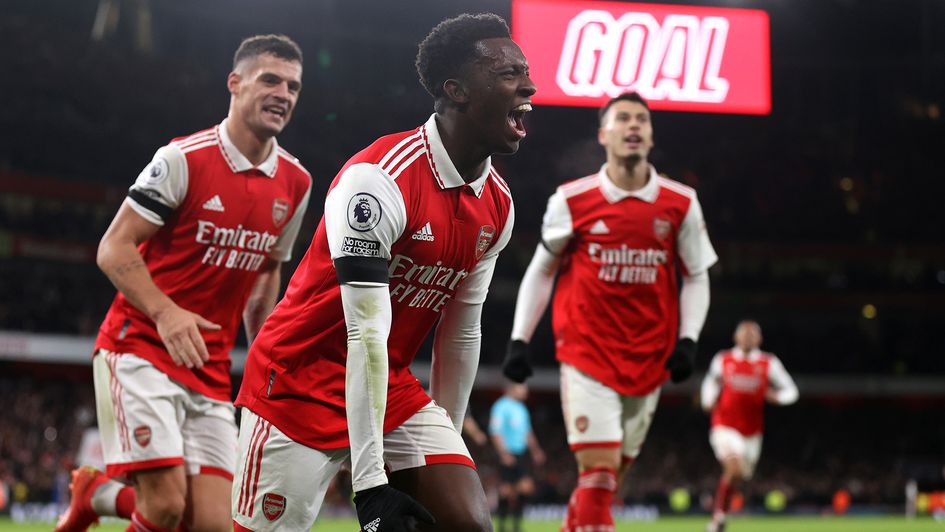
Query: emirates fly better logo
[678, 57]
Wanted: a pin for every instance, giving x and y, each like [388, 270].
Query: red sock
[567, 525]
[592, 498]
[723, 496]
[125, 502]
[140, 524]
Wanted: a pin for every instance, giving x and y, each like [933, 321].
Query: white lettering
[679, 60]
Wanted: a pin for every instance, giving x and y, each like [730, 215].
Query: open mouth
[275, 110]
[516, 118]
[634, 140]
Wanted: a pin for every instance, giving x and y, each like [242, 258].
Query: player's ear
[233, 82]
[456, 91]
[601, 137]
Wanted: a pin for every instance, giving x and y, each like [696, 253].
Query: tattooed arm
[119, 258]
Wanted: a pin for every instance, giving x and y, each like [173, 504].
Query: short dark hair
[625, 97]
[280, 46]
[452, 44]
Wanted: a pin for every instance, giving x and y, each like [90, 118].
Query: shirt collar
[750, 355]
[238, 162]
[613, 193]
[443, 169]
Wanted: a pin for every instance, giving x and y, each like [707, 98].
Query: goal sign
[680, 58]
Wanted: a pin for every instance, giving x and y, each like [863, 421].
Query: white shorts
[597, 416]
[147, 420]
[727, 442]
[280, 483]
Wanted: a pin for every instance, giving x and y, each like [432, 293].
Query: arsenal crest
[273, 505]
[280, 210]
[486, 234]
[661, 228]
[143, 435]
[581, 423]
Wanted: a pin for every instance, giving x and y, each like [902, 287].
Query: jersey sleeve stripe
[392, 163]
[501, 185]
[291, 159]
[393, 151]
[677, 187]
[158, 208]
[195, 147]
[407, 163]
[580, 186]
[195, 139]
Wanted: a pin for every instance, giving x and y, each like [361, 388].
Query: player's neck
[628, 174]
[468, 158]
[255, 149]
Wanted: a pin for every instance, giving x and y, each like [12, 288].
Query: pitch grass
[666, 524]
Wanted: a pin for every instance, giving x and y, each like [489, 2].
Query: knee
[163, 509]
[473, 520]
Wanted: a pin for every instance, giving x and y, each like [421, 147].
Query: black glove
[683, 360]
[385, 509]
[515, 366]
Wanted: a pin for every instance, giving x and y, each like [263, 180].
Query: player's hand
[179, 329]
[385, 509]
[515, 366]
[683, 360]
[538, 457]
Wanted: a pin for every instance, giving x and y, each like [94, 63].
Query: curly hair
[452, 44]
[280, 46]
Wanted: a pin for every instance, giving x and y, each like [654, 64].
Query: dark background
[827, 214]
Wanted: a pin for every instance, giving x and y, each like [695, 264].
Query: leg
[592, 416]
[208, 503]
[210, 443]
[730, 449]
[451, 492]
[279, 483]
[429, 461]
[523, 491]
[160, 496]
[505, 493]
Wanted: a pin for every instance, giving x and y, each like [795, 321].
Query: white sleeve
[711, 384]
[368, 314]
[364, 213]
[779, 379]
[282, 251]
[161, 186]
[534, 293]
[456, 358]
[364, 216]
[556, 226]
[693, 244]
[475, 287]
[693, 304]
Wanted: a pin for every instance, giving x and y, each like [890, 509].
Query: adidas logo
[373, 525]
[214, 204]
[599, 228]
[425, 233]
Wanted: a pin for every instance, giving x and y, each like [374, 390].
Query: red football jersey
[744, 380]
[221, 218]
[616, 305]
[400, 199]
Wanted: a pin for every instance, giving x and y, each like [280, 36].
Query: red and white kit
[616, 308]
[402, 200]
[736, 387]
[221, 219]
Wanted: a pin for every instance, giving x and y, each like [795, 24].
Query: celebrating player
[511, 428]
[198, 241]
[734, 390]
[621, 323]
[412, 228]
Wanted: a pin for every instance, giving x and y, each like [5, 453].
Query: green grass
[667, 524]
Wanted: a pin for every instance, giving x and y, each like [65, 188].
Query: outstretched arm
[783, 391]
